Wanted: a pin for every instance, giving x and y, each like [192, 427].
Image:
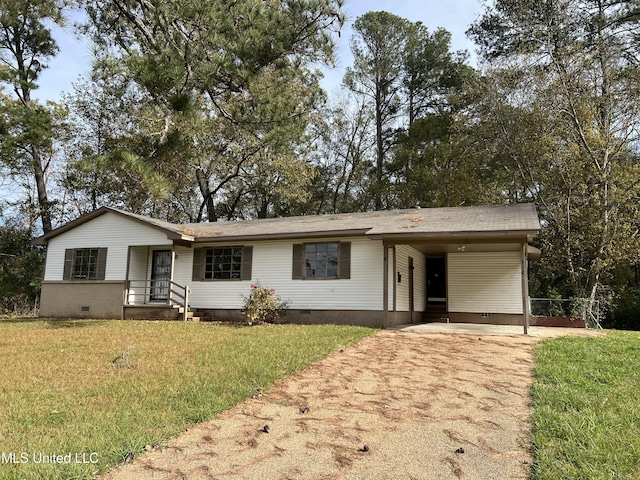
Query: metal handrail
[176, 294]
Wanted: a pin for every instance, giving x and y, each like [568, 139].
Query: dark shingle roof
[514, 219]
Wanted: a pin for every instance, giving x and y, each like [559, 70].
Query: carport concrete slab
[488, 329]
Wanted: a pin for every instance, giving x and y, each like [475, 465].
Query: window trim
[69, 269]
[343, 256]
[212, 267]
[316, 252]
[200, 263]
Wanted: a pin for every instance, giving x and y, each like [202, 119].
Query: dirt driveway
[427, 405]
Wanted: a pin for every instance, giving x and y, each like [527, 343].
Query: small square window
[85, 264]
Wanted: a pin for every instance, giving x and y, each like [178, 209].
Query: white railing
[157, 292]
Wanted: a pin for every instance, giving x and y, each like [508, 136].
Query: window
[84, 264]
[321, 260]
[223, 263]
[326, 260]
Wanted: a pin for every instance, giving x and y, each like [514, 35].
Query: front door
[436, 281]
[160, 275]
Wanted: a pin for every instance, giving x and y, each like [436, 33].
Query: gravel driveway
[426, 405]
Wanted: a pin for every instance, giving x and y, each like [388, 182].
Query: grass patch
[103, 389]
[586, 408]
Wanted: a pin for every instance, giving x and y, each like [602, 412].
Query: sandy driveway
[427, 405]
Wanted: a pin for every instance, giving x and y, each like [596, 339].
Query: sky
[74, 57]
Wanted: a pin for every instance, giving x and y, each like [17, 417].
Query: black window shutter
[298, 261]
[102, 264]
[68, 264]
[344, 263]
[247, 260]
[198, 267]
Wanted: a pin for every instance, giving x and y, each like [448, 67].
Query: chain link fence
[584, 308]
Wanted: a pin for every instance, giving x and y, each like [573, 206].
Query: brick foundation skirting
[566, 322]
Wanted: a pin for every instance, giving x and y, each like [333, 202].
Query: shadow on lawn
[52, 322]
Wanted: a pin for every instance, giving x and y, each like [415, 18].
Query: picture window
[321, 260]
[223, 263]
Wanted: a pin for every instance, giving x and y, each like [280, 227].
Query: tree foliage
[377, 73]
[211, 69]
[568, 77]
[21, 269]
[343, 154]
[408, 77]
[27, 128]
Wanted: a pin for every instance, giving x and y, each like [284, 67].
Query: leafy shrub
[21, 270]
[263, 305]
[625, 314]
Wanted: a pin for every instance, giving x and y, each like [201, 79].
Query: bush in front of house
[263, 305]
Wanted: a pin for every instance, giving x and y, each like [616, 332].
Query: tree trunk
[38, 170]
[207, 198]
[379, 149]
[43, 201]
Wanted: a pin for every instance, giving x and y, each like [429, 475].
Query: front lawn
[79, 396]
[586, 408]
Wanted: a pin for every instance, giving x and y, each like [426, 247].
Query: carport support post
[385, 284]
[525, 289]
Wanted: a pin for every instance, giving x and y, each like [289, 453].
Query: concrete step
[435, 313]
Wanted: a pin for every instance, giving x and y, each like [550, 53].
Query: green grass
[586, 408]
[62, 392]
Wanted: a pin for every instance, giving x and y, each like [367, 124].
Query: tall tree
[212, 68]
[431, 163]
[408, 75]
[26, 126]
[106, 150]
[343, 154]
[378, 47]
[573, 65]
[432, 72]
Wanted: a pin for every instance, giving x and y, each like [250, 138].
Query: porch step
[190, 314]
[435, 313]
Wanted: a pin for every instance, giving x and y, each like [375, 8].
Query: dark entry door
[436, 281]
[160, 275]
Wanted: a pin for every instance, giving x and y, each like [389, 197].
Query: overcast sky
[74, 57]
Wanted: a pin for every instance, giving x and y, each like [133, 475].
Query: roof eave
[44, 239]
[281, 236]
[480, 235]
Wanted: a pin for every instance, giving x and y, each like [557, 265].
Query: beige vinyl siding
[403, 252]
[272, 267]
[138, 261]
[110, 230]
[484, 282]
